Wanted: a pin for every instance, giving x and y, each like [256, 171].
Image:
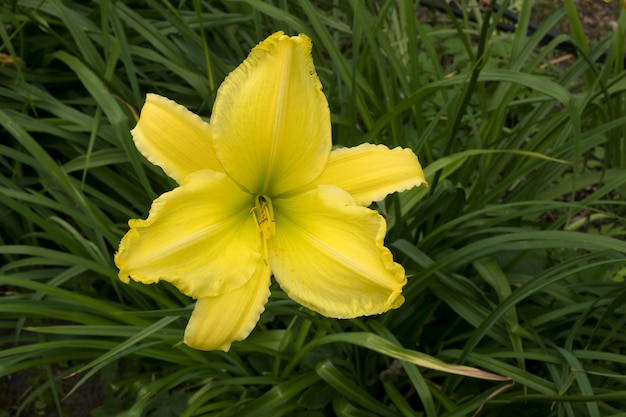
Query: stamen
[263, 214]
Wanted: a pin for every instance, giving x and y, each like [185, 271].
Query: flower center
[263, 214]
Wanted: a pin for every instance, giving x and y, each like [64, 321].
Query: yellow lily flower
[261, 192]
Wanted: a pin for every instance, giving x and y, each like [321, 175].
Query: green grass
[516, 253]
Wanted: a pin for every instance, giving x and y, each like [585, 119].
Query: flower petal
[328, 255]
[200, 237]
[216, 322]
[271, 122]
[174, 138]
[371, 172]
